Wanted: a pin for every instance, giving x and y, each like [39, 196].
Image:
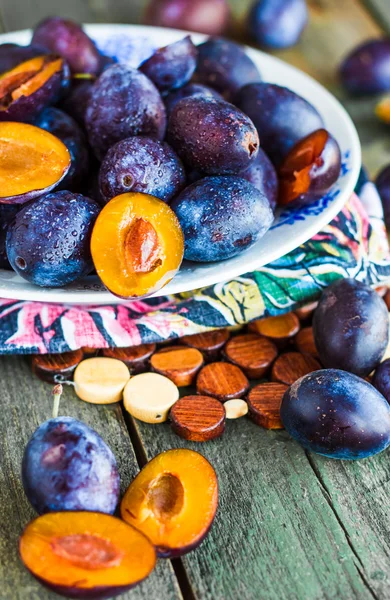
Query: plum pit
[165, 496]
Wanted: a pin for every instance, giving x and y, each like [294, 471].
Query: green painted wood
[277, 535]
[25, 402]
[381, 12]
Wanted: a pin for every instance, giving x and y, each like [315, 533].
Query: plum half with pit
[277, 23]
[337, 414]
[68, 39]
[263, 176]
[351, 327]
[211, 136]
[48, 242]
[28, 88]
[123, 103]
[140, 164]
[220, 217]
[68, 466]
[366, 70]
[171, 67]
[68, 131]
[310, 169]
[225, 66]
[191, 89]
[281, 116]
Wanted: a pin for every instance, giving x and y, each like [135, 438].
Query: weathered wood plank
[381, 12]
[25, 402]
[275, 535]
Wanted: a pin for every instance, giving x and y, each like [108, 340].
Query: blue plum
[68, 466]
[366, 70]
[68, 131]
[68, 39]
[191, 89]
[48, 241]
[76, 101]
[211, 136]
[171, 67]
[337, 414]
[277, 23]
[281, 116]
[225, 66]
[7, 214]
[383, 185]
[263, 176]
[141, 165]
[381, 379]
[220, 217]
[206, 16]
[351, 327]
[123, 103]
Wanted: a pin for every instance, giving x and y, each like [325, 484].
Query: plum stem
[57, 392]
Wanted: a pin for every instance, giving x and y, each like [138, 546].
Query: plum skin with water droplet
[140, 164]
[282, 117]
[212, 136]
[337, 414]
[220, 217]
[123, 103]
[48, 241]
[68, 466]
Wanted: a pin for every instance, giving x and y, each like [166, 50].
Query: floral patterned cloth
[354, 244]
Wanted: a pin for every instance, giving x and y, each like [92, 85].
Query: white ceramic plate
[132, 44]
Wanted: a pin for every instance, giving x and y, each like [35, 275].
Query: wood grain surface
[290, 525]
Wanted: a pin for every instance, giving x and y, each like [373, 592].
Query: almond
[142, 247]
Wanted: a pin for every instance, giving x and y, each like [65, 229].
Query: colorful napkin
[354, 244]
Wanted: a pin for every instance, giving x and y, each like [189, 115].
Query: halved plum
[173, 501]
[310, 169]
[137, 245]
[31, 86]
[86, 554]
[33, 162]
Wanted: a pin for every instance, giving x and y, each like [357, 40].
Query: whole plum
[211, 136]
[381, 379]
[383, 185]
[351, 327]
[263, 176]
[7, 214]
[67, 130]
[12, 55]
[75, 103]
[225, 66]
[68, 39]
[366, 70]
[172, 67]
[277, 23]
[220, 217]
[123, 103]
[141, 165]
[68, 466]
[336, 414]
[282, 118]
[48, 241]
[206, 16]
[191, 89]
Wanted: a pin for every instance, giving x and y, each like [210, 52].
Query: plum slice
[86, 554]
[33, 162]
[31, 86]
[137, 245]
[173, 501]
[310, 169]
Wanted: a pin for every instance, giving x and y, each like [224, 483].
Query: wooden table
[291, 525]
